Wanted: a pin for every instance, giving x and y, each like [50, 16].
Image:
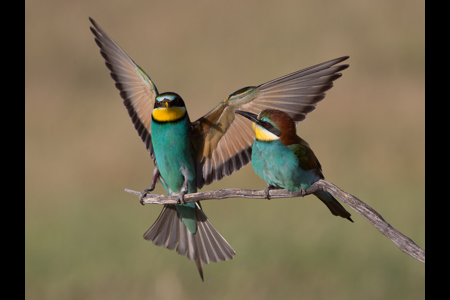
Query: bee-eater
[284, 160]
[188, 155]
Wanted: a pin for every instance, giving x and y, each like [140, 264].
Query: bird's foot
[267, 192]
[144, 193]
[183, 192]
[181, 197]
[302, 192]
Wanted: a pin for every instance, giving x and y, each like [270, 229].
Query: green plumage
[286, 161]
[176, 162]
[189, 155]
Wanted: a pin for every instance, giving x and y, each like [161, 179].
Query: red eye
[267, 125]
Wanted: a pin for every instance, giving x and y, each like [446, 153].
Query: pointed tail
[204, 246]
[333, 205]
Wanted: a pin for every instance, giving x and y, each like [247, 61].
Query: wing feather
[136, 88]
[223, 142]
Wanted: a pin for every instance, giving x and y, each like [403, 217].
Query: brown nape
[285, 123]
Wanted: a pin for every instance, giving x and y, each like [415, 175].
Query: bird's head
[270, 124]
[168, 107]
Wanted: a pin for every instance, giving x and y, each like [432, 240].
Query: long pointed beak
[248, 115]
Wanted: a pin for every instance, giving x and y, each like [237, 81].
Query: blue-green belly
[279, 166]
[173, 152]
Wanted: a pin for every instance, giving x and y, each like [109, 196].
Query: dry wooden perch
[401, 241]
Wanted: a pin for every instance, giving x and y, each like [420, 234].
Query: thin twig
[401, 241]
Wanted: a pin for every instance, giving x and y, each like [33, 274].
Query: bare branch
[401, 241]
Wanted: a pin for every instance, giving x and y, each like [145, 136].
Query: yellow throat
[168, 114]
[262, 134]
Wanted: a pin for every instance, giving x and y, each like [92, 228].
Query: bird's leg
[152, 187]
[183, 192]
[266, 191]
[302, 192]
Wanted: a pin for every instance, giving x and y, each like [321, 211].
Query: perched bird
[284, 160]
[188, 155]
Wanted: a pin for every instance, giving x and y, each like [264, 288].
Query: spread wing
[223, 143]
[135, 86]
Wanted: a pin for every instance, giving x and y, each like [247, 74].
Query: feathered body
[182, 224]
[188, 155]
[286, 174]
[284, 160]
[174, 158]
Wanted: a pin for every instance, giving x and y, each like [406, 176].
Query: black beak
[248, 115]
[254, 118]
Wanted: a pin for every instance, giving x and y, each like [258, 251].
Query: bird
[284, 160]
[189, 155]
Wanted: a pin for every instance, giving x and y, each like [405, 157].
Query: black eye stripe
[175, 101]
[269, 127]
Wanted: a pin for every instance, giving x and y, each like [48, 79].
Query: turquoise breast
[173, 152]
[279, 166]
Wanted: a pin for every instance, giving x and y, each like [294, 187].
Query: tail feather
[203, 247]
[217, 248]
[173, 235]
[333, 205]
[160, 234]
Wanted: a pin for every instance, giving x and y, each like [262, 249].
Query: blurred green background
[83, 237]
